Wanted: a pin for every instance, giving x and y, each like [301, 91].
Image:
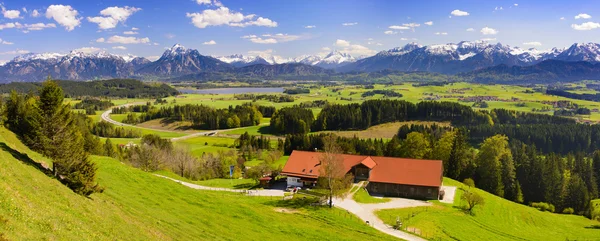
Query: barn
[387, 176]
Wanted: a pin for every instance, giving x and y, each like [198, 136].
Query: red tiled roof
[383, 169]
[407, 171]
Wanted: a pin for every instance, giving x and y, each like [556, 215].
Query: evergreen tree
[596, 168]
[457, 159]
[57, 136]
[576, 194]
[509, 177]
[109, 149]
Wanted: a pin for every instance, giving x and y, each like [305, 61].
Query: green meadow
[497, 219]
[136, 205]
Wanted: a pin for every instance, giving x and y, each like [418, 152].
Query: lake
[242, 90]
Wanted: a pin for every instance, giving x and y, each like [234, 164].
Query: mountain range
[178, 61]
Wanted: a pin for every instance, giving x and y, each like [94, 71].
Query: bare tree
[332, 173]
[183, 163]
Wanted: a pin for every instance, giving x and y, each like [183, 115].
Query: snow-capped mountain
[466, 56]
[238, 60]
[76, 65]
[179, 60]
[176, 61]
[589, 52]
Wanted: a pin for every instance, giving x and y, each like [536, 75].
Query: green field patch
[136, 205]
[497, 219]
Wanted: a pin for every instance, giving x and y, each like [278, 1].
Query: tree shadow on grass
[597, 226]
[249, 186]
[298, 201]
[265, 130]
[26, 159]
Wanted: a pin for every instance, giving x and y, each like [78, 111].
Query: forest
[117, 88]
[201, 116]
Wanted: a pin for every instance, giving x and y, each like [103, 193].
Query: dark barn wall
[405, 191]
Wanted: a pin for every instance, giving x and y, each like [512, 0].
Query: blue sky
[277, 27]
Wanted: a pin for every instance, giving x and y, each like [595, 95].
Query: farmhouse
[388, 176]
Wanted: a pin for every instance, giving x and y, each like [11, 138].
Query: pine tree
[458, 157]
[109, 149]
[509, 177]
[58, 137]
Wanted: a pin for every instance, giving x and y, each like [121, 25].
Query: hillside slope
[497, 219]
[139, 206]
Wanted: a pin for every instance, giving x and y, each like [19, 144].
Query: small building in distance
[387, 176]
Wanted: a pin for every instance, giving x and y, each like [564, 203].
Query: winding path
[262, 192]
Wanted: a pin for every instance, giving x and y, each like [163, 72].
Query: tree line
[116, 88]
[201, 116]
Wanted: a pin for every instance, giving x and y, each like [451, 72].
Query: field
[140, 206]
[385, 131]
[497, 219]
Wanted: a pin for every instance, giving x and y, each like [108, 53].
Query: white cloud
[516, 4]
[498, 8]
[170, 36]
[399, 27]
[585, 26]
[583, 16]
[326, 49]
[429, 23]
[223, 16]
[470, 29]
[100, 40]
[11, 14]
[271, 38]
[27, 27]
[212, 42]
[87, 50]
[130, 32]
[35, 13]
[38, 26]
[7, 25]
[342, 43]
[405, 26]
[64, 15]
[258, 40]
[112, 16]
[5, 42]
[119, 47]
[562, 18]
[389, 32]
[209, 2]
[155, 44]
[489, 31]
[533, 43]
[24, 9]
[127, 40]
[310, 26]
[349, 24]
[441, 33]
[459, 13]
[403, 39]
[488, 39]
[353, 49]
[153, 58]
[135, 29]
[18, 51]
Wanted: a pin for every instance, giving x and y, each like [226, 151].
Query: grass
[140, 206]
[385, 131]
[362, 196]
[206, 144]
[217, 182]
[498, 219]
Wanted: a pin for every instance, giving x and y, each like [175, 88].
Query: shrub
[469, 182]
[542, 206]
[568, 211]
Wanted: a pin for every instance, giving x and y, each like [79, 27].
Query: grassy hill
[139, 206]
[498, 219]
